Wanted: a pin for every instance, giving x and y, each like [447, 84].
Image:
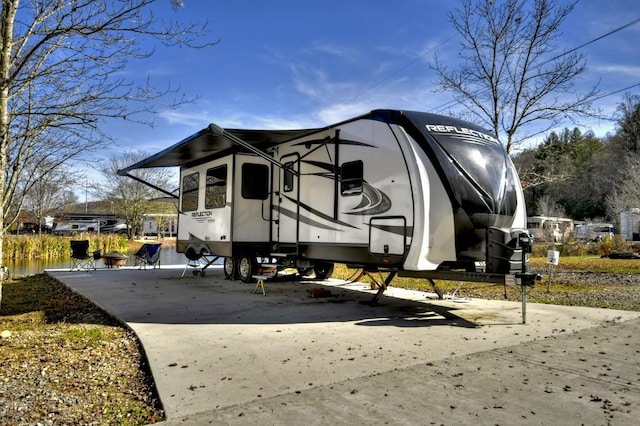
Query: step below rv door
[388, 235]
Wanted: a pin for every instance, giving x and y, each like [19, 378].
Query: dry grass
[64, 361]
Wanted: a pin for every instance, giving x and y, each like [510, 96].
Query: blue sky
[297, 64]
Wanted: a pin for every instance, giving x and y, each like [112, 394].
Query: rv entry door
[285, 217]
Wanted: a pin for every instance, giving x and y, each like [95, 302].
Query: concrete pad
[220, 353]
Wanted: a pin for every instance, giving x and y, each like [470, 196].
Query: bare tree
[628, 113]
[47, 190]
[547, 206]
[131, 199]
[60, 77]
[625, 159]
[511, 74]
[625, 195]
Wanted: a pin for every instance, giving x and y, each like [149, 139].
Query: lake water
[168, 256]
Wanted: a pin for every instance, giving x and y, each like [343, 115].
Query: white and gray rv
[410, 192]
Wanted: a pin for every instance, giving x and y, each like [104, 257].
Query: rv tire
[230, 268]
[323, 270]
[305, 272]
[245, 267]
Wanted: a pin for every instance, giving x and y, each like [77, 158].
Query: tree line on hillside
[578, 175]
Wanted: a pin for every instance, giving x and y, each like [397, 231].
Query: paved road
[221, 354]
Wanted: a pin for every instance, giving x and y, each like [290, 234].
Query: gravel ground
[64, 361]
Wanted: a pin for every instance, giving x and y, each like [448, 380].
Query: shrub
[577, 247]
[617, 243]
[53, 246]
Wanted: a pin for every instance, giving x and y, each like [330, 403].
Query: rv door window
[351, 177]
[288, 177]
[255, 181]
[215, 195]
[190, 192]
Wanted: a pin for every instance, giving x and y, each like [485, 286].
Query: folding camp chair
[81, 259]
[148, 255]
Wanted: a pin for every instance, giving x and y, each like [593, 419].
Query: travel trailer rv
[594, 231]
[412, 193]
[546, 228]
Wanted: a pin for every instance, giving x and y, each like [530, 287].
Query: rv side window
[215, 195]
[255, 181]
[288, 177]
[351, 177]
[190, 192]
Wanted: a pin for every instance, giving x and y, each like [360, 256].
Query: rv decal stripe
[320, 214]
[304, 219]
[373, 201]
[332, 142]
[321, 165]
[398, 230]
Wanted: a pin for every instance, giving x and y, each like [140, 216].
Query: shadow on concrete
[164, 297]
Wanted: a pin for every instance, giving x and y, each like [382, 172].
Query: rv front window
[190, 192]
[255, 181]
[351, 178]
[215, 195]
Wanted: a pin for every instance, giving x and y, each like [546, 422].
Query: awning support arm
[219, 131]
[157, 188]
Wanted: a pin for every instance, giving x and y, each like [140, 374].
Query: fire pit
[114, 258]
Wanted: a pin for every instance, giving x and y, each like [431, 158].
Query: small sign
[553, 257]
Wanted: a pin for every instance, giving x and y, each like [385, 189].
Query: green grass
[591, 264]
[83, 337]
[565, 289]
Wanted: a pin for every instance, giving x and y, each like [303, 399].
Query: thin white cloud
[334, 113]
[619, 69]
[340, 51]
[185, 118]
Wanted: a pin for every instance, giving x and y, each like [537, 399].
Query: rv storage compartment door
[387, 235]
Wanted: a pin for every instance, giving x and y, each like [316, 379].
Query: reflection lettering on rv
[203, 216]
[201, 213]
[442, 129]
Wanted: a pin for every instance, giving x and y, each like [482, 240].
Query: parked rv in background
[160, 224]
[550, 229]
[78, 222]
[594, 231]
[630, 225]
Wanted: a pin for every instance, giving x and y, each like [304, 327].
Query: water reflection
[168, 256]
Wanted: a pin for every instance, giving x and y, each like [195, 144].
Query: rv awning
[213, 142]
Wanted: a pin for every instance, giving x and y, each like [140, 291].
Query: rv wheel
[323, 270]
[305, 272]
[229, 268]
[246, 266]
